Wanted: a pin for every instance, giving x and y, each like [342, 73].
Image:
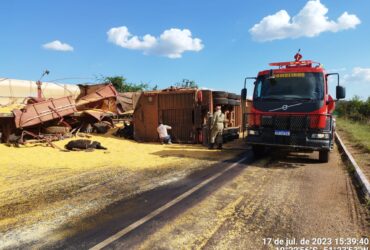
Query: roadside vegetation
[354, 119]
[355, 110]
[359, 133]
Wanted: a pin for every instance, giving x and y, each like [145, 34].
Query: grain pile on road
[9, 108]
[42, 188]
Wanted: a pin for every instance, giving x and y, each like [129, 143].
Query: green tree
[134, 87]
[354, 109]
[365, 109]
[187, 84]
[118, 82]
[121, 84]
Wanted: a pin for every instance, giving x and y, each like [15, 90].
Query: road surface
[249, 206]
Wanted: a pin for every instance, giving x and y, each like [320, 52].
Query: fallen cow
[77, 145]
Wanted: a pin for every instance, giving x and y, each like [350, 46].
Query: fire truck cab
[292, 108]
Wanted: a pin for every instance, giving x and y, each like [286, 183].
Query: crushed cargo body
[41, 112]
[36, 116]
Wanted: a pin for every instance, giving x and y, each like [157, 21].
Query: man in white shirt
[163, 135]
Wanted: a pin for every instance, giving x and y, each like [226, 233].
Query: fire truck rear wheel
[324, 156]
[258, 151]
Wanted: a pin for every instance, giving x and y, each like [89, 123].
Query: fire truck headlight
[320, 136]
[253, 132]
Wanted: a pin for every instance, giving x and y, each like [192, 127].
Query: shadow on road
[91, 230]
[283, 159]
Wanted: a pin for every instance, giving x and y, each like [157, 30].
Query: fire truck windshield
[286, 86]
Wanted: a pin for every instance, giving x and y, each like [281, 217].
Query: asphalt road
[255, 204]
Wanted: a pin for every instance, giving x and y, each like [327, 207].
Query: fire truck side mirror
[340, 92]
[244, 94]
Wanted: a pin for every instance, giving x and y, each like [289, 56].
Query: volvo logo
[285, 107]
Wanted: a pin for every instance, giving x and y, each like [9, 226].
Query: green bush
[121, 85]
[354, 109]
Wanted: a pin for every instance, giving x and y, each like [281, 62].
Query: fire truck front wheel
[324, 156]
[258, 151]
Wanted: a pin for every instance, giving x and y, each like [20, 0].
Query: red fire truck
[292, 108]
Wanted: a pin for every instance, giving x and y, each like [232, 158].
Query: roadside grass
[359, 133]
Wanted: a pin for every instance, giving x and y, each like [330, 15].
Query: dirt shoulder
[43, 189]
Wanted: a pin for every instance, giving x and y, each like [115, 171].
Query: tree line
[121, 84]
[354, 109]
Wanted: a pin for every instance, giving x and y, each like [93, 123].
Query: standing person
[163, 135]
[217, 127]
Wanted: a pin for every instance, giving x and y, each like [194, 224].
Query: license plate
[282, 132]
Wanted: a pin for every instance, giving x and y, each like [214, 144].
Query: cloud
[171, 43]
[309, 22]
[337, 69]
[57, 45]
[358, 76]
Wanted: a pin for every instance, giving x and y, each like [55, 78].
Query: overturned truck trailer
[186, 111]
[33, 117]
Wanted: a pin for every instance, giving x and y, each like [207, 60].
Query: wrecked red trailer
[97, 104]
[40, 112]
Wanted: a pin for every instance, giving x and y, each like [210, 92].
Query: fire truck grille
[294, 130]
[293, 139]
[292, 123]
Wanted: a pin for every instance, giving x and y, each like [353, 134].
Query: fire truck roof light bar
[295, 63]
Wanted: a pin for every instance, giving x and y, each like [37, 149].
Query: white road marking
[150, 216]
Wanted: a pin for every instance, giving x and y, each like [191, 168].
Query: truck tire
[219, 94]
[232, 96]
[258, 151]
[232, 102]
[324, 156]
[220, 101]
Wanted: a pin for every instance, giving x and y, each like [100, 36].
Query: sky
[216, 43]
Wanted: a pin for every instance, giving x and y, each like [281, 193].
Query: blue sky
[211, 42]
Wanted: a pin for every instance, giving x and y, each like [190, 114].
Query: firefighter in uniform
[217, 126]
